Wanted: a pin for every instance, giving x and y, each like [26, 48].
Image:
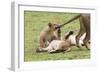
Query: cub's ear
[50, 24]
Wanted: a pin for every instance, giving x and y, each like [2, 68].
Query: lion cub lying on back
[57, 45]
[62, 45]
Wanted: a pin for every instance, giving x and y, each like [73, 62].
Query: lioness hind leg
[86, 42]
[81, 32]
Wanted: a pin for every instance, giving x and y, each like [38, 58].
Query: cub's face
[52, 26]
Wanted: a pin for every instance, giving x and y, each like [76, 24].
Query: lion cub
[48, 34]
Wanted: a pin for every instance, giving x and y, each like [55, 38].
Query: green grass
[36, 22]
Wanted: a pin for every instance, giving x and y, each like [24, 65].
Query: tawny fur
[48, 34]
